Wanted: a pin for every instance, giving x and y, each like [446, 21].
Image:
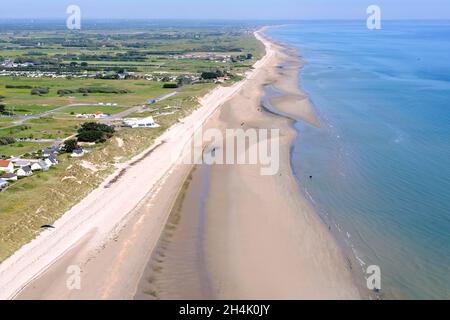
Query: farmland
[49, 76]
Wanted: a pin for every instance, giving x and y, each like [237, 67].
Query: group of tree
[242, 57]
[94, 132]
[39, 91]
[89, 132]
[6, 140]
[3, 110]
[211, 75]
[70, 145]
[63, 92]
[11, 86]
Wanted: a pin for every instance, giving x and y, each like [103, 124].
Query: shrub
[209, 75]
[87, 126]
[39, 91]
[94, 132]
[70, 145]
[86, 91]
[6, 140]
[10, 86]
[170, 85]
[90, 136]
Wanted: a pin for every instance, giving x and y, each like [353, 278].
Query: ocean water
[381, 160]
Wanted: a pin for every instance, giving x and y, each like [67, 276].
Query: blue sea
[381, 160]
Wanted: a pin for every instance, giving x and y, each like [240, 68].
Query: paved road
[131, 110]
[114, 117]
[42, 114]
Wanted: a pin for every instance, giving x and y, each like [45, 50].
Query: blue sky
[227, 9]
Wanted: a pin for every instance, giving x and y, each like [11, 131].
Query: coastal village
[15, 168]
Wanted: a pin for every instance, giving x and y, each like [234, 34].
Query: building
[51, 161]
[77, 153]
[40, 165]
[9, 177]
[24, 171]
[19, 163]
[44, 165]
[3, 184]
[100, 115]
[6, 166]
[140, 122]
[53, 150]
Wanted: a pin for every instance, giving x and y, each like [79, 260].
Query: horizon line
[224, 19]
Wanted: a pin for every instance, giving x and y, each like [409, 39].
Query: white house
[100, 115]
[6, 166]
[36, 166]
[40, 165]
[148, 122]
[9, 177]
[48, 162]
[51, 161]
[19, 163]
[3, 183]
[24, 171]
[77, 153]
[50, 151]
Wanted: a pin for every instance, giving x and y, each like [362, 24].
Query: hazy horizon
[230, 10]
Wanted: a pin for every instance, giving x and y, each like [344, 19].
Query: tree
[91, 136]
[70, 145]
[6, 140]
[88, 126]
[209, 75]
[94, 132]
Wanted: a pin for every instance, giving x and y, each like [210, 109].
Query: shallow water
[380, 161]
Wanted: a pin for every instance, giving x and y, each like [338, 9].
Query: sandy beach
[239, 235]
[225, 230]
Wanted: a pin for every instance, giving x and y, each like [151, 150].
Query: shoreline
[133, 235]
[237, 258]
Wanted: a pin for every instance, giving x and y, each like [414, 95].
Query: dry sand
[257, 238]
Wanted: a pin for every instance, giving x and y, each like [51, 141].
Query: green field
[22, 110]
[22, 147]
[43, 128]
[91, 109]
[140, 92]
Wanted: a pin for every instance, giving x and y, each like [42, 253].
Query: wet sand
[254, 236]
